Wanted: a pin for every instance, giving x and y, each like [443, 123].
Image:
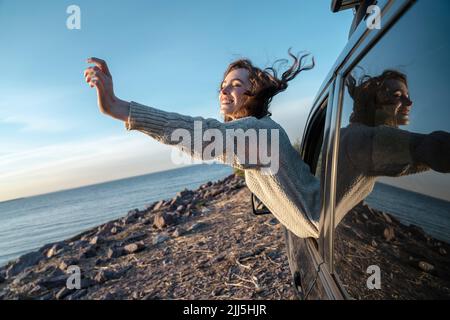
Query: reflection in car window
[392, 194]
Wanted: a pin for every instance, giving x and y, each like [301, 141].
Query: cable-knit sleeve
[201, 138]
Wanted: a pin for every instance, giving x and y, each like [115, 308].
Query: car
[377, 137]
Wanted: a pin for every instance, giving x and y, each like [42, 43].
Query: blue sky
[167, 54]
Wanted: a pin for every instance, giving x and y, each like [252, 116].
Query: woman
[291, 192]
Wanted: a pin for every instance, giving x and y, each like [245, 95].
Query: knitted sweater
[291, 192]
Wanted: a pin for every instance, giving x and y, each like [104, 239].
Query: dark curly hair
[265, 84]
[364, 94]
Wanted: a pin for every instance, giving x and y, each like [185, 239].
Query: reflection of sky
[170, 54]
[422, 53]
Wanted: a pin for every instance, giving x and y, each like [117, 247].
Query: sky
[167, 54]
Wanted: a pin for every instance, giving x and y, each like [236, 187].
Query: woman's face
[394, 102]
[232, 92]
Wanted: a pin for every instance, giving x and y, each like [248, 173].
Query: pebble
[114, 253]
[389, 234]
[178, 232]
[160, 238]
[163, 219]
[62, 293]
[133, 247]
[425, 266]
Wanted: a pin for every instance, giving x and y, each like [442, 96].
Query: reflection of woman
[373, 146]
[291, 193]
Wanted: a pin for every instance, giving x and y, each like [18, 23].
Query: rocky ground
[202, 244]
[413, 265]
[207, 244]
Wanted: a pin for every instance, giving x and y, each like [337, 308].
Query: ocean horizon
[28, 223]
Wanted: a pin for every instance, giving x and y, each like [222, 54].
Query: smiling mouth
[404, 111]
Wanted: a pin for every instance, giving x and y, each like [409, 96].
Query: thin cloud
[74, 164]
[37, 110]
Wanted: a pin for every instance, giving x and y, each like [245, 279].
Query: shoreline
[207, 244]
[201, 244]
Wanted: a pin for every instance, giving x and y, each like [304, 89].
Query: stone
[114, 230]
[62, 293]
[106, 275]
[63, 265]
[442, 251]
[425, 266]
[160, 238]
[158, 205]
[196, 226]
[54, 282]
[205, 210]
[114, 253]
[96, 240]
[219, 258]
[178, 232]
[105, 229]
[23, 262]
[132, 216]
[173, 203]
[36, 290]
[417, 232]
[180, 208]
[184, 193]
[389, 233]
[387, 218]
[22, 277]
[149, 207]
[134, 247]
[163, 220]
[87, 253]
[54, 250]
[80, 244]
[135, 237]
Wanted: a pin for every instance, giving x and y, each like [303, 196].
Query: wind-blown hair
[265, 84]
[364, 95]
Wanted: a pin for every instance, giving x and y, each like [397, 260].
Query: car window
[314, 141]
[392, 212]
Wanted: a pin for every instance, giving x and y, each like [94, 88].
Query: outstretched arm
[203, 139]
[386, 151]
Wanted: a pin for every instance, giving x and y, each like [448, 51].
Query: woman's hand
[99, 77]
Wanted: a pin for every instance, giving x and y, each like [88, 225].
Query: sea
[26, 224]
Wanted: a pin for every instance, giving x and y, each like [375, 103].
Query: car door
[391, 217]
